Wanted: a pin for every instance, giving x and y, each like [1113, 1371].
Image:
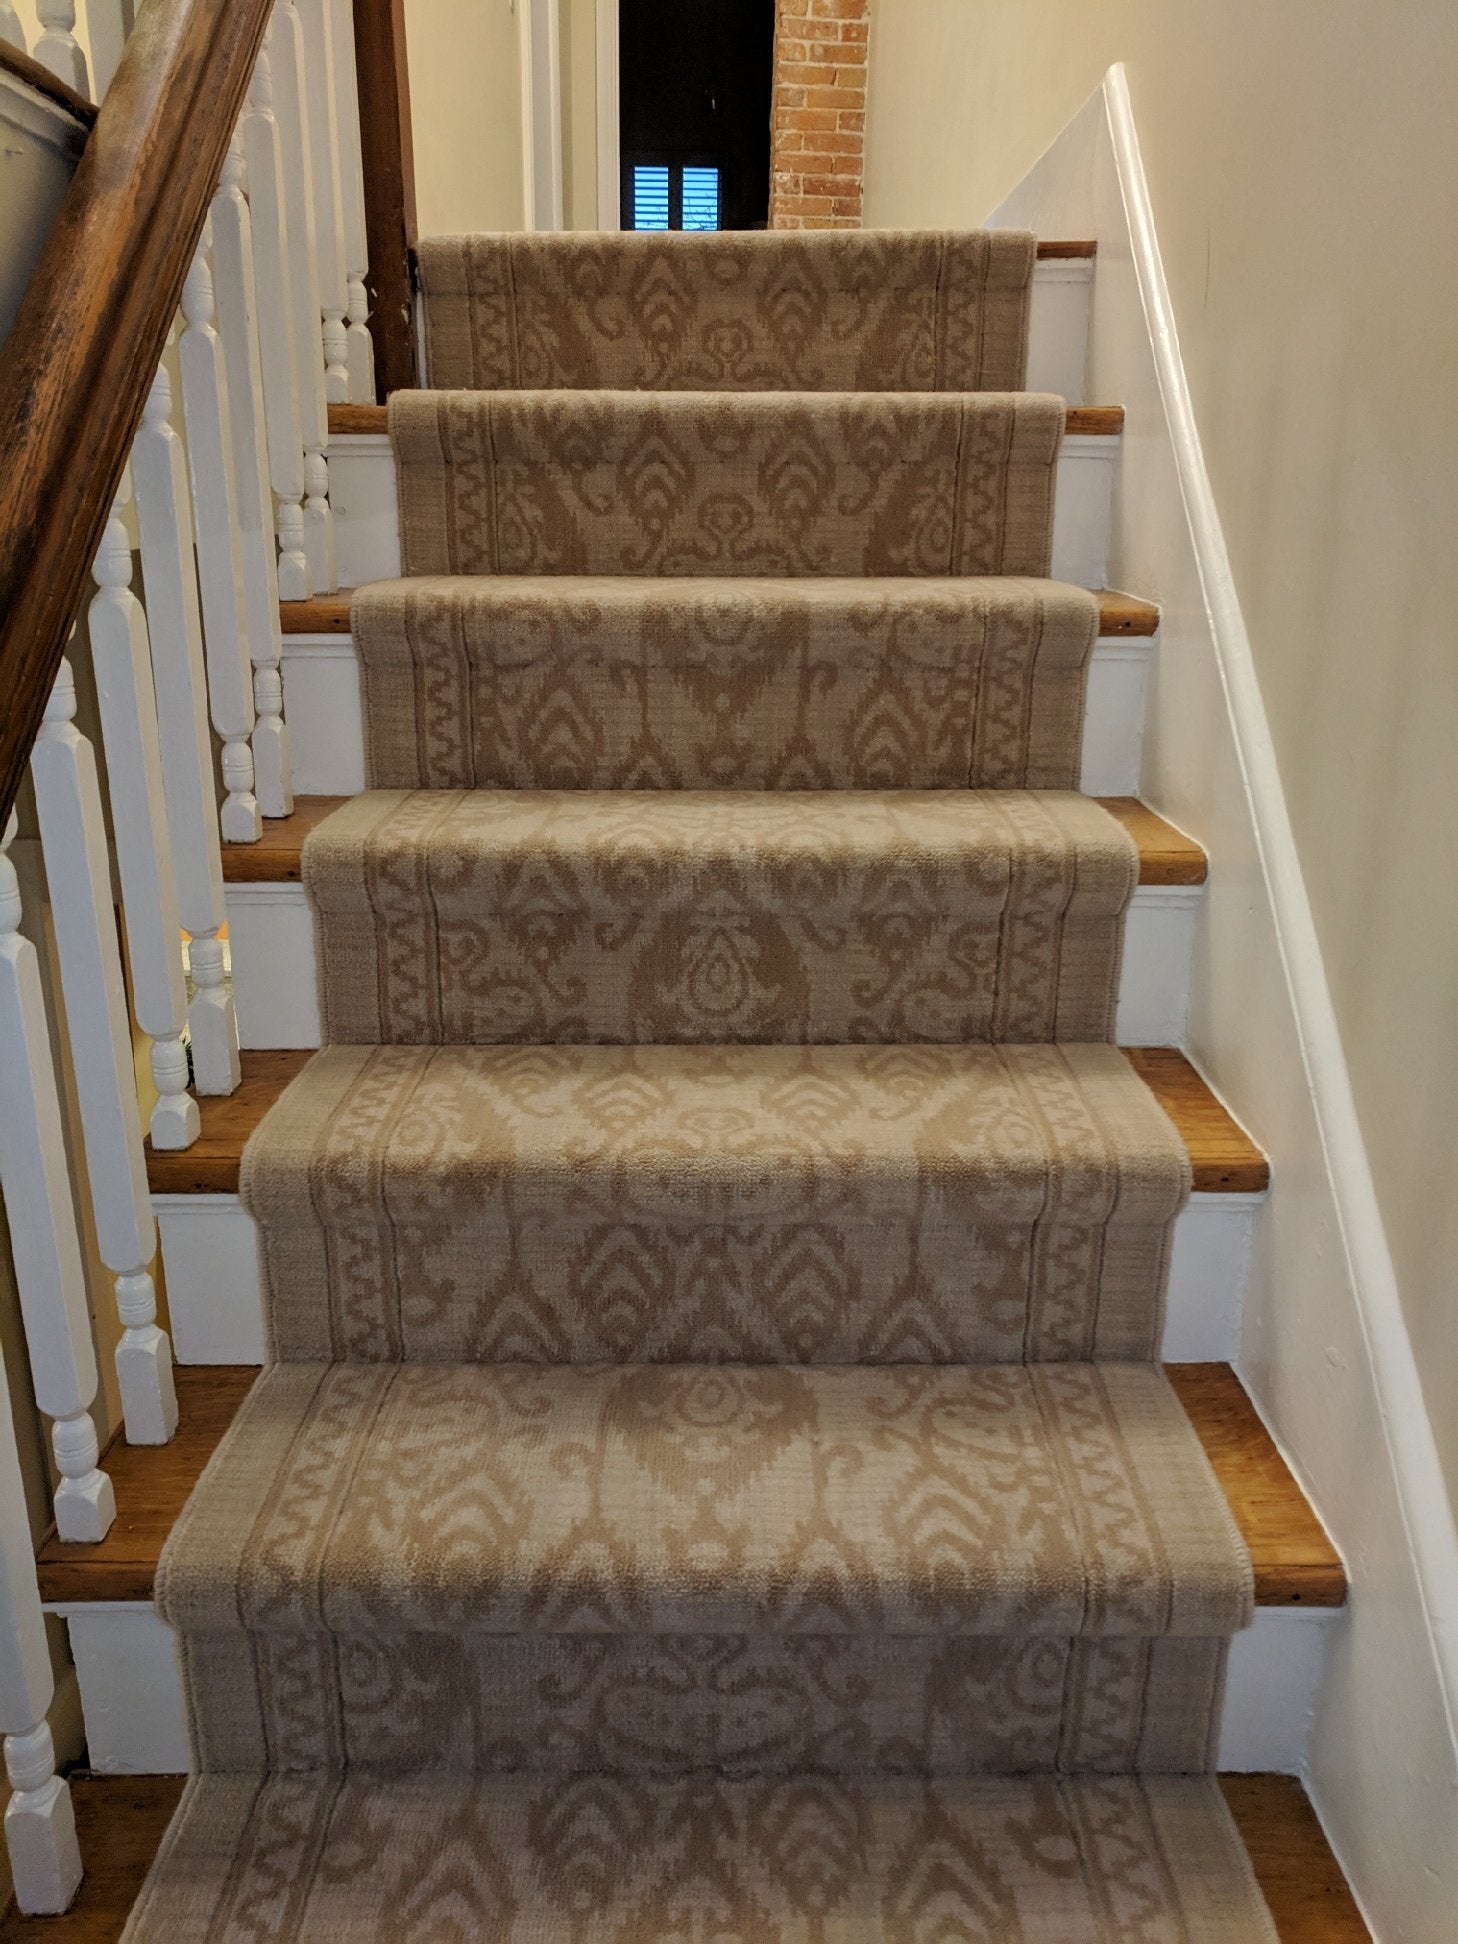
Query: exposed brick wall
[818, 116]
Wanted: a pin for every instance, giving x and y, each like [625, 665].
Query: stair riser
[367, 535]
[326, 728]
[215, 1295]
[136, 1720]
[275, 983]
[1058, 326]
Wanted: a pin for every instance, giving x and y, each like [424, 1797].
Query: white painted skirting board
[326, 727]
[131, 1689]
[367, 536]
[215, 1293]
[275, 987]
[1324, 1349]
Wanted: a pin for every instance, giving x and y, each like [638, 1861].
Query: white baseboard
[215, 1288]
[275, 984]
[326, 722]
[367, 535]
[1324, 1350]
[136, 1717]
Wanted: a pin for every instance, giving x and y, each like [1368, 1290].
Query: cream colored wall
[465, 102]
[1301, 159]
[579, 112]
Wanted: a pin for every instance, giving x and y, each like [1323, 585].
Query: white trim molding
[1324, 1348]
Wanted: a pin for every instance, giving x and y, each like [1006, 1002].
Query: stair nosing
[1081, 421]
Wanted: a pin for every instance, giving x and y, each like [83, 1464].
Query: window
[674, 196]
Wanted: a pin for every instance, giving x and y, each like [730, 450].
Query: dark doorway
[694, 108]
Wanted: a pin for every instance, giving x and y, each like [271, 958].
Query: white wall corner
[1325, 1348]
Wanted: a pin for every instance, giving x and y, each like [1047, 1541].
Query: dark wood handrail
[83, 350]
[387, 152]
[27, 69]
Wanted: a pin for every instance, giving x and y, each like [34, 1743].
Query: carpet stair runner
[713, 1479]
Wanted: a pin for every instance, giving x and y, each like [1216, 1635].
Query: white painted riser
[276, 990]
[1058, 328]
[214, 1284]
[136, 1719]
[367, 534]
[326, 728]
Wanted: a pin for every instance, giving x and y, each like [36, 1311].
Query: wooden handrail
[84, 348]
[389, 188]
[24, 67]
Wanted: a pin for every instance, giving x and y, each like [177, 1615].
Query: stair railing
[164, 395]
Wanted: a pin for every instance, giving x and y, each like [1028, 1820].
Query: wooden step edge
[1223, 1157]
[1081, 422]
[1120, 615]
[1166, 855]
[1051, 249]
[1295, 1563]
[121, 1820]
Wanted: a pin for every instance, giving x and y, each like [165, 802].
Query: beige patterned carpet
[713, 1479]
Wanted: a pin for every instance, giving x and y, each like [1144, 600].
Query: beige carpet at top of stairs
[613, 682]
[892, 310]
[691, 483]
[834, 1204]
[719, 916]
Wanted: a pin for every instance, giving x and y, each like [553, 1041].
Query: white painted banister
[43, 1239]
[40, 1826]
[284, 46]
[264, 167]
[58, 49]
[238, 328]
[122, 658]
[11, 29]
[316, 17]
[164, 521]
[205, 414]
[361, 350]
[108, 23]
[73, 836]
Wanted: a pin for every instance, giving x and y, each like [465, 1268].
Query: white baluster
[215, 519]
[40, 1828]
[43, 1240]
[68, 801]
[285, 52]
[316, 19]
[238, 328]
[164, 520]
[122, 656]
[361, 350]
[275, 329]
[11, 29]
[108, 23]
[58, 48]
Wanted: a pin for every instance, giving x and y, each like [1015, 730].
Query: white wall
[465, 103]
[1301, 159]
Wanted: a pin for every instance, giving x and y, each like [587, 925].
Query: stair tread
[1166, 855]
[1123, 615]
[121, 1820]
[1081, 421]
[1294, 1562]
[1223, 1158]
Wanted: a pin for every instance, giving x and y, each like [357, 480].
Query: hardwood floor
[120, 1820]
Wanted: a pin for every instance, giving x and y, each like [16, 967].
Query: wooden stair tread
[1166, 855]
[1081, 422]
[1295, 1562]
[1053, 248]
[120, 1820]
[1223, 1157]
[1120, 615]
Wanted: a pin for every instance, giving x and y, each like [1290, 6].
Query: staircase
[713, 1473]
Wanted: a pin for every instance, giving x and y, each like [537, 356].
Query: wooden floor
[1166, 854]
[120, 1820]
[1295, 1563]
[1223, 1157]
